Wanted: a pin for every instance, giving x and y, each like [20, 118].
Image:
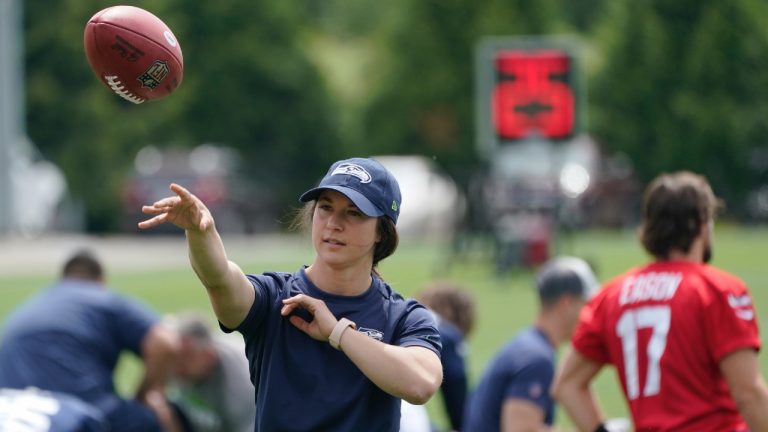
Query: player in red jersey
[681, 334]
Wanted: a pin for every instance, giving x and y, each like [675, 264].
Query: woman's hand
[323, 321]
[185, 210]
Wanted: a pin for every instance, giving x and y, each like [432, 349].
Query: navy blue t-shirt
[68, 338]
[306, 385]
[522, 369]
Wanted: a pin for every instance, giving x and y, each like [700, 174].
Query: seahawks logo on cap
[353, 170]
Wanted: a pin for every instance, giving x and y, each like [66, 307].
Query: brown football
[133, 53]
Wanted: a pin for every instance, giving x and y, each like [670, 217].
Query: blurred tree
[425, 102]
[683, 87]
[247, 84]
[252, 86]
[583, 15]
[673, 84]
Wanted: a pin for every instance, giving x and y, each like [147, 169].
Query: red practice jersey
[665, 327]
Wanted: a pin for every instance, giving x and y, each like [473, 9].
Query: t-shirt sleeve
[532, 383]
[132, 321]
[589, 335]
[418, 327]
[731, 322]
[262, 285]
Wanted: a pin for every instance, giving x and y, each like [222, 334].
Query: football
[133, 53]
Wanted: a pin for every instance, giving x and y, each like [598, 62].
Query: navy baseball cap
[370, 186]
[566, 275]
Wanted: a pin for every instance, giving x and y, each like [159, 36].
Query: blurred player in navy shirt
[513, 393]
[69, 337]
[455, 310]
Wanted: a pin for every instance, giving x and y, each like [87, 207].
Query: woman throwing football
[331, 346]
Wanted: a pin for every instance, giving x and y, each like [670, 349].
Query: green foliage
[247, 84]
[425, 102]
[683, 88]
[294, 86]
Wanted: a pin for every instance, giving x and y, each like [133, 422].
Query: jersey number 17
[630, 322]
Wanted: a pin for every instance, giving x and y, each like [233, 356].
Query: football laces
[117, 86]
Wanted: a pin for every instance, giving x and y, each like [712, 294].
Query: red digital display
[532, 94]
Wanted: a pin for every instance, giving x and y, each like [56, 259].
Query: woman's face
[342, 235]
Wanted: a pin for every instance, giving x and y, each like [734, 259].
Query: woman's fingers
[152, 210]
[300, 324]
[167, 203]
[181, 191]
[323, 320]
[288, 308]
[153, 222]
[295, 299]
[290, 304]
[312, 305]
[183, 210]
[302, 300]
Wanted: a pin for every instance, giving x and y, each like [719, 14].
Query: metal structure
[11, 103]
[529, 125]
[31, 188]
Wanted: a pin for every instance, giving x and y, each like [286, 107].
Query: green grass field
[506, 303]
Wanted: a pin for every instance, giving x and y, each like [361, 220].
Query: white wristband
[335, 338]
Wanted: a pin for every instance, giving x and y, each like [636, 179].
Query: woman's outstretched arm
[230, 292]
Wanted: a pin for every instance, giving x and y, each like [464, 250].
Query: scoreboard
[525, 88]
